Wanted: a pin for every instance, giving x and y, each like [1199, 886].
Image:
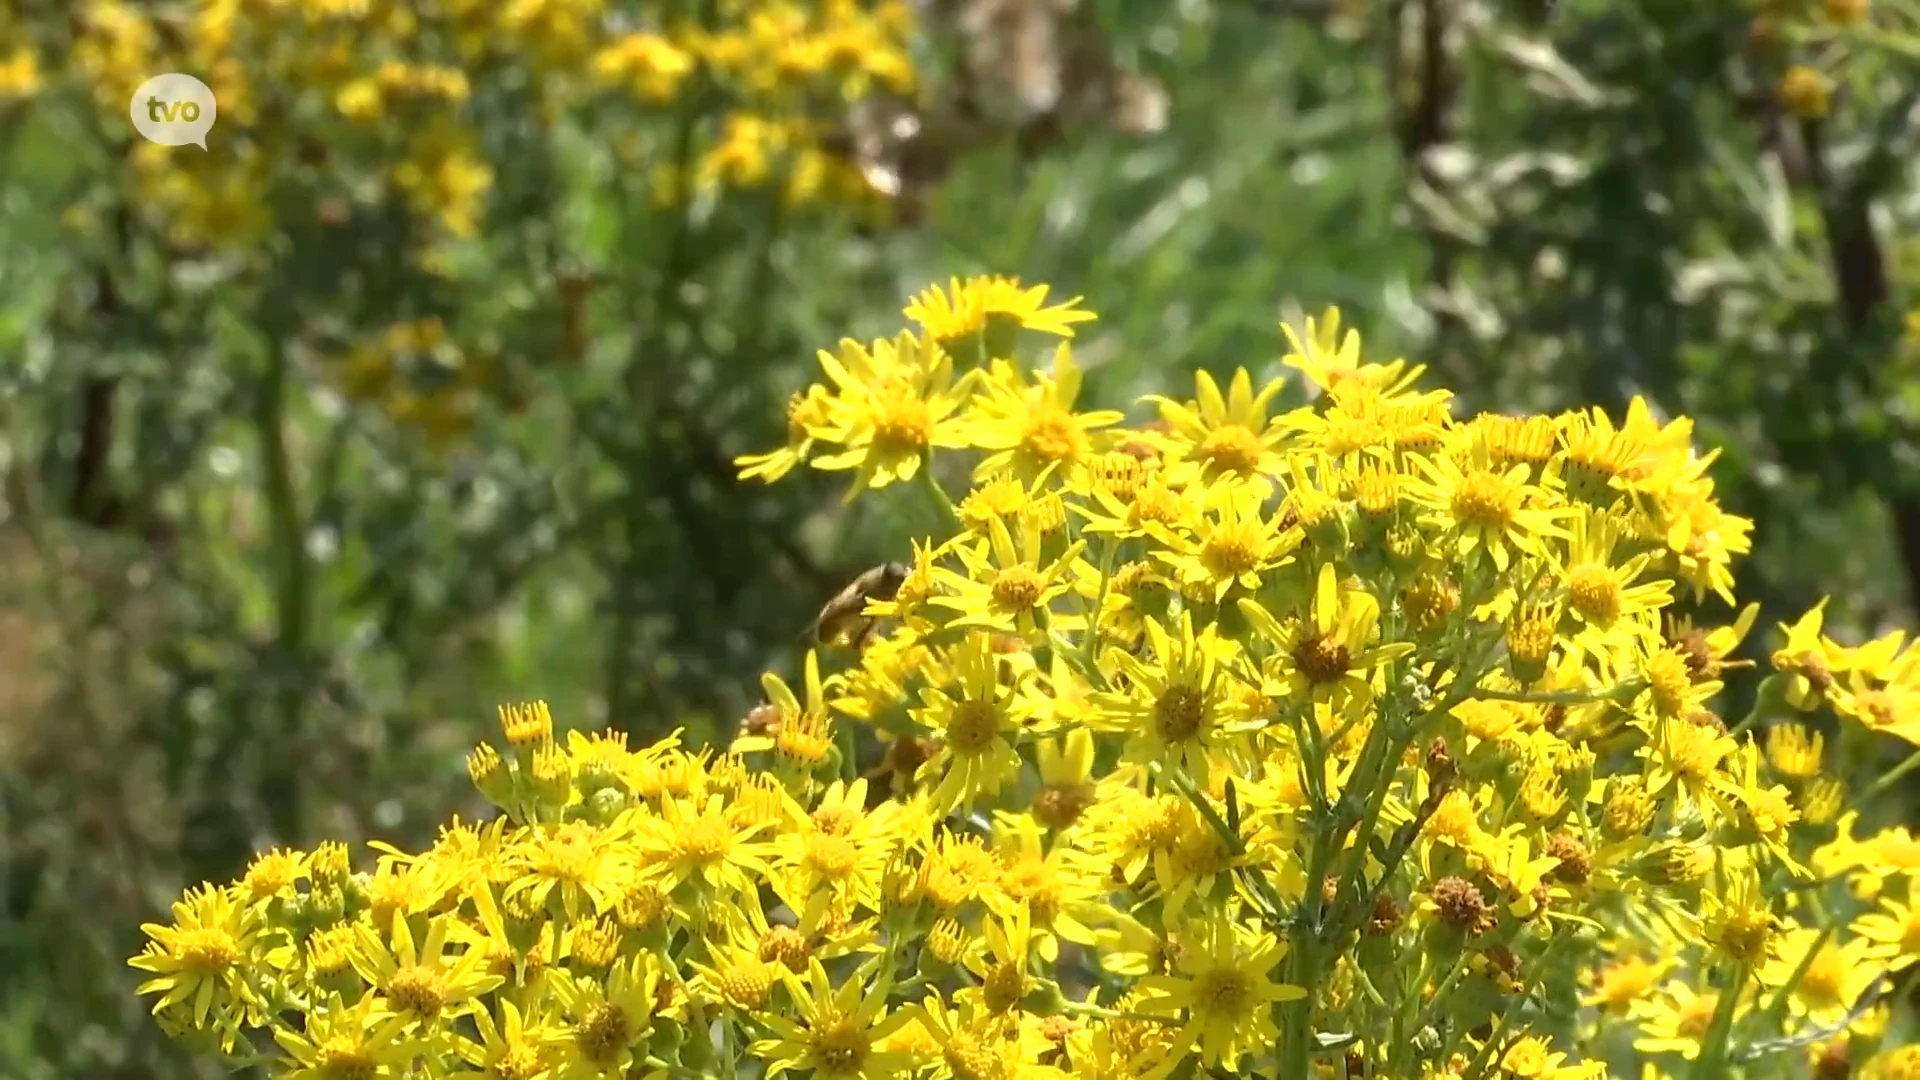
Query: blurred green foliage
[419, 390]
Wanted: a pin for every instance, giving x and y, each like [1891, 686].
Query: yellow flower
[1627, 980]
[1059, 888]
[838, 1033]
[580, 862]
[806, 413]
[19, 74]
[1006, 588]
[510, 1048]
[1330, 656]
[1805, 92]
[420, 984]
[841, 849]
[1534, 1058]
[1834, 976]
[1738, 920]
[1674, 1020]
[695, 841]
[1216, 437]
[341, 1040]
[1175, 709]
[1222, 981]
[1499, 513]
[198, 961]
[975, 756]
[967, 1043]
[1615, 608]
[1333, 362]
[892, 407]
[1806, 659]
[1030, 429]
[1233, 542]
[649, 65]
[610, 1019]
[1893, 934]
[980, 305]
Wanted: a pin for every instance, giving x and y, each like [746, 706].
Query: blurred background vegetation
[418, 389]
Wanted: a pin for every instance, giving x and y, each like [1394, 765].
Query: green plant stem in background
[292, 592]
[1712, 1062]
[1893, 776]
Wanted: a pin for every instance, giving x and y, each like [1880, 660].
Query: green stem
[280, 781]
[1081, 1008]
[940, 497]
[1711, 1064]
[1559, 697]
[1893, 775]
[1090, 644]
[1763, 700]
[1296, 1031]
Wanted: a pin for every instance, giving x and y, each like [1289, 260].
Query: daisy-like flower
[1892, 933]
[1332, 362]
[1002, 967]
[976, 726]
[736, 975]
[1606, 594]
[1766, 809]
[341, 1040]
[1148, 508]
[1484, 510]
[1534, 1058]
[838, 1033]
[800, 734]
[808, 412]
[1219, 436]
[1222, 981]
[1229, 541]
[967, 1043]
[1176, 708]
[1006, 588]
[609, 1019]
[512, 1047]
[1674, 1020]
[1832, 980]
[577, 861]
[1330, 657]
[1595, 454]
[1620, 983]
[196, 961]
[421, 984]
[1687, 755]
[987, 307]
[697, 841]
[842, 848]
[1738, 919]
[1060, 887]
[892, 407]
[1029, 429]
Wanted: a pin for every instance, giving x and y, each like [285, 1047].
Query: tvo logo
[173, 110]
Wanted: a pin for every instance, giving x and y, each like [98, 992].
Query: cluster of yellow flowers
[415, 373]
[1355, 740]
[393, 98]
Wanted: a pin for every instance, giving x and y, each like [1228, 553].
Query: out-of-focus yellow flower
[19, 74]
[1805, 92]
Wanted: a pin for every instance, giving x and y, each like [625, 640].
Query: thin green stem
[1559, 697]
[1892, 777]
[1763, 701]
[939, 494]
[1712, 1062]
[1090, 644]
